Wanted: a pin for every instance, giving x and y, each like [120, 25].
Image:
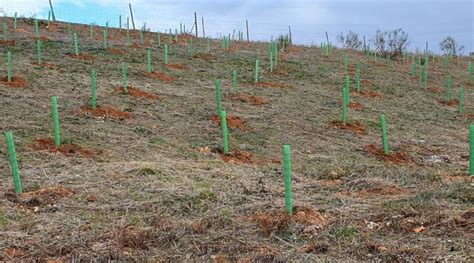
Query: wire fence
[306, 34]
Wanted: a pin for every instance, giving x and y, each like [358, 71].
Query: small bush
[391, 43]
[350, 40]
[450, 47]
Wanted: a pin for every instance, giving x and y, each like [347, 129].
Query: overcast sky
[424, 20]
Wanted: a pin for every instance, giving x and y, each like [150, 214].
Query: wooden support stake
[131, 15]
[196, 24]
[52, 10]
[247, 23]
[289, 34]
[203, 30]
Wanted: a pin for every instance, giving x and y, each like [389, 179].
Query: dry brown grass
[160, 191]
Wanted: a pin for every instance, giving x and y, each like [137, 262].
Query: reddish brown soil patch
[45, 65]
[356, 106]
[306, 218]
[53, 27]
[177, 66]
[91, 198]
[16, 82]
[21, 30]
[12, 253]
[435, 89]
[84, 57]
[160, 75]
[368, 94]
[105, 112]
[135, 45]
[206, 57]
[115, 51]
[392, 157]
[239, 157]
[46, 196]
[7, 43]
[366, 82]
[272, 85]
[355, 127]
[258, 101]
[233, 122]
[450, 103]
[64, 149]
[134, 92]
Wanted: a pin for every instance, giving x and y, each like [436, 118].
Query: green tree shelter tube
[383, 126]
[471, 150]
[225, 142]
[460, 99]
[5, 31]
[36, 28]
[346, 63]
[469, 69]
[271, 61]
[57, 141]
[9, 67]
[166, 54]
[124, 78]
[448, 88]
[76, 45]
[344, 105]
[256, 71]
[287, 179]
[234, 81]
[14, 21]
[218, 97]
[38, 52]
[13, 163]
[93, 96]
[358, 76]
[148, 60]
[104, 39]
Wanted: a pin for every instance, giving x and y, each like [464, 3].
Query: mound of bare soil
[233, 122]
[160, 75]
[240, 157]
[16, 82]
[64, 149]
[354, 127]
[392, 157]
[46, 196]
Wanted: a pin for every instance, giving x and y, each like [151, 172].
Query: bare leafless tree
[350, 40]
[391, 43]
[450, 47]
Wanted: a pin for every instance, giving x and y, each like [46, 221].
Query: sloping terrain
[143, 177]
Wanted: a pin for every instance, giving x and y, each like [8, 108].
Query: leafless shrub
[391, 43]
[350, 40]
[450, 47]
